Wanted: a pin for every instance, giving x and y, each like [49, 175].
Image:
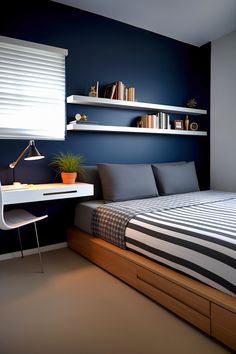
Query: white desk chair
[14, 219]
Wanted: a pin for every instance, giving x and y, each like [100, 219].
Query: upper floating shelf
[106, 102]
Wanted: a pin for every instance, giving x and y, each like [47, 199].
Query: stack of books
[160, 120]
[119, 91]
[84, 122]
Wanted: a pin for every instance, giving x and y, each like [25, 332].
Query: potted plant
[68, 165]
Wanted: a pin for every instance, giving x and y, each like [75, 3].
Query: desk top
[27, 193]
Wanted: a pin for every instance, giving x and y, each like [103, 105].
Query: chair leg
[19, 237]
[37, 239]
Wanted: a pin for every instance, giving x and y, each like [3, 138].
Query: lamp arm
[14, 163]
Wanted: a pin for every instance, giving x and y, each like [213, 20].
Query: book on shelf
[110, 90]
[150, 121]
[119, 91]
[160, 120]
[131, 94]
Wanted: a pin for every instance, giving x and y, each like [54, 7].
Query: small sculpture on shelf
[80, 117]
[93, 92]
[192, 103]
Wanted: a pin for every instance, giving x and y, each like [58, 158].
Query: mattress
[194, 233]
[84, 214]
[198, 240]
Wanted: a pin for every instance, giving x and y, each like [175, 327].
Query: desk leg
[21, 249]
[40, 257]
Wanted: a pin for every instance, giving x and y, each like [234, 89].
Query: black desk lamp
[33, 154]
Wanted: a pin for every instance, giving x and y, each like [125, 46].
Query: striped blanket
[194, 233]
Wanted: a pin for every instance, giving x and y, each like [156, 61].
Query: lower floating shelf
[121, 129]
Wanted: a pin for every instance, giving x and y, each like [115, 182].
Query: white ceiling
[192, 21]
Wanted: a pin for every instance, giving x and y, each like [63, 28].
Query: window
[32, 90]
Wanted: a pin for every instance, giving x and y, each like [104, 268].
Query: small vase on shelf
[186, 122]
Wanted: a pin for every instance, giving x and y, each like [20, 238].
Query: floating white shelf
[121, 129]
[106, 102]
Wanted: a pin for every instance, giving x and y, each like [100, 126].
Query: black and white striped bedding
[198, 240]
[194, 233]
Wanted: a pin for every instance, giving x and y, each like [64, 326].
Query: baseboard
[30, 251]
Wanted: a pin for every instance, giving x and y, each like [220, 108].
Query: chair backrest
[3, 225]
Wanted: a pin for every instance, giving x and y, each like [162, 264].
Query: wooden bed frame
[208, 309]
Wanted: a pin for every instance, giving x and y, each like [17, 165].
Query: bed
[162, 235]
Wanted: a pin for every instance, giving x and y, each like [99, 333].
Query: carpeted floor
[77, 308]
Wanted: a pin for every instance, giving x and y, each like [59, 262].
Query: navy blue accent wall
[161, 69]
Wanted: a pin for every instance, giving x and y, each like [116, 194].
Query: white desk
[41, 192]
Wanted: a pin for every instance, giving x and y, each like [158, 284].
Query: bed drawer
[188, 298]
[102, 256]
[117, 265]
[223, 325]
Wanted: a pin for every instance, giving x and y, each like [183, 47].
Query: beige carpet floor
[77, 308]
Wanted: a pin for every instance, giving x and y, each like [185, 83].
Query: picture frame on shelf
[178, 124]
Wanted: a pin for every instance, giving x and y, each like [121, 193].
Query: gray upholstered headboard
[91, 176]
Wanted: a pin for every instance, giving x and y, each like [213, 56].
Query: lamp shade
[33, 154]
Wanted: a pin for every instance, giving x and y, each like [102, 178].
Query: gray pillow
[177, 178]
[155, 172]
[127, 182]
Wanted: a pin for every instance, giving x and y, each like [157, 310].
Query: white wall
[223, 113]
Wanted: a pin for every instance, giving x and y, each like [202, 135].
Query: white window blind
[32, 90]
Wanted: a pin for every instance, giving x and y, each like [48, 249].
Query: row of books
[160, 120]
[119, 91]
